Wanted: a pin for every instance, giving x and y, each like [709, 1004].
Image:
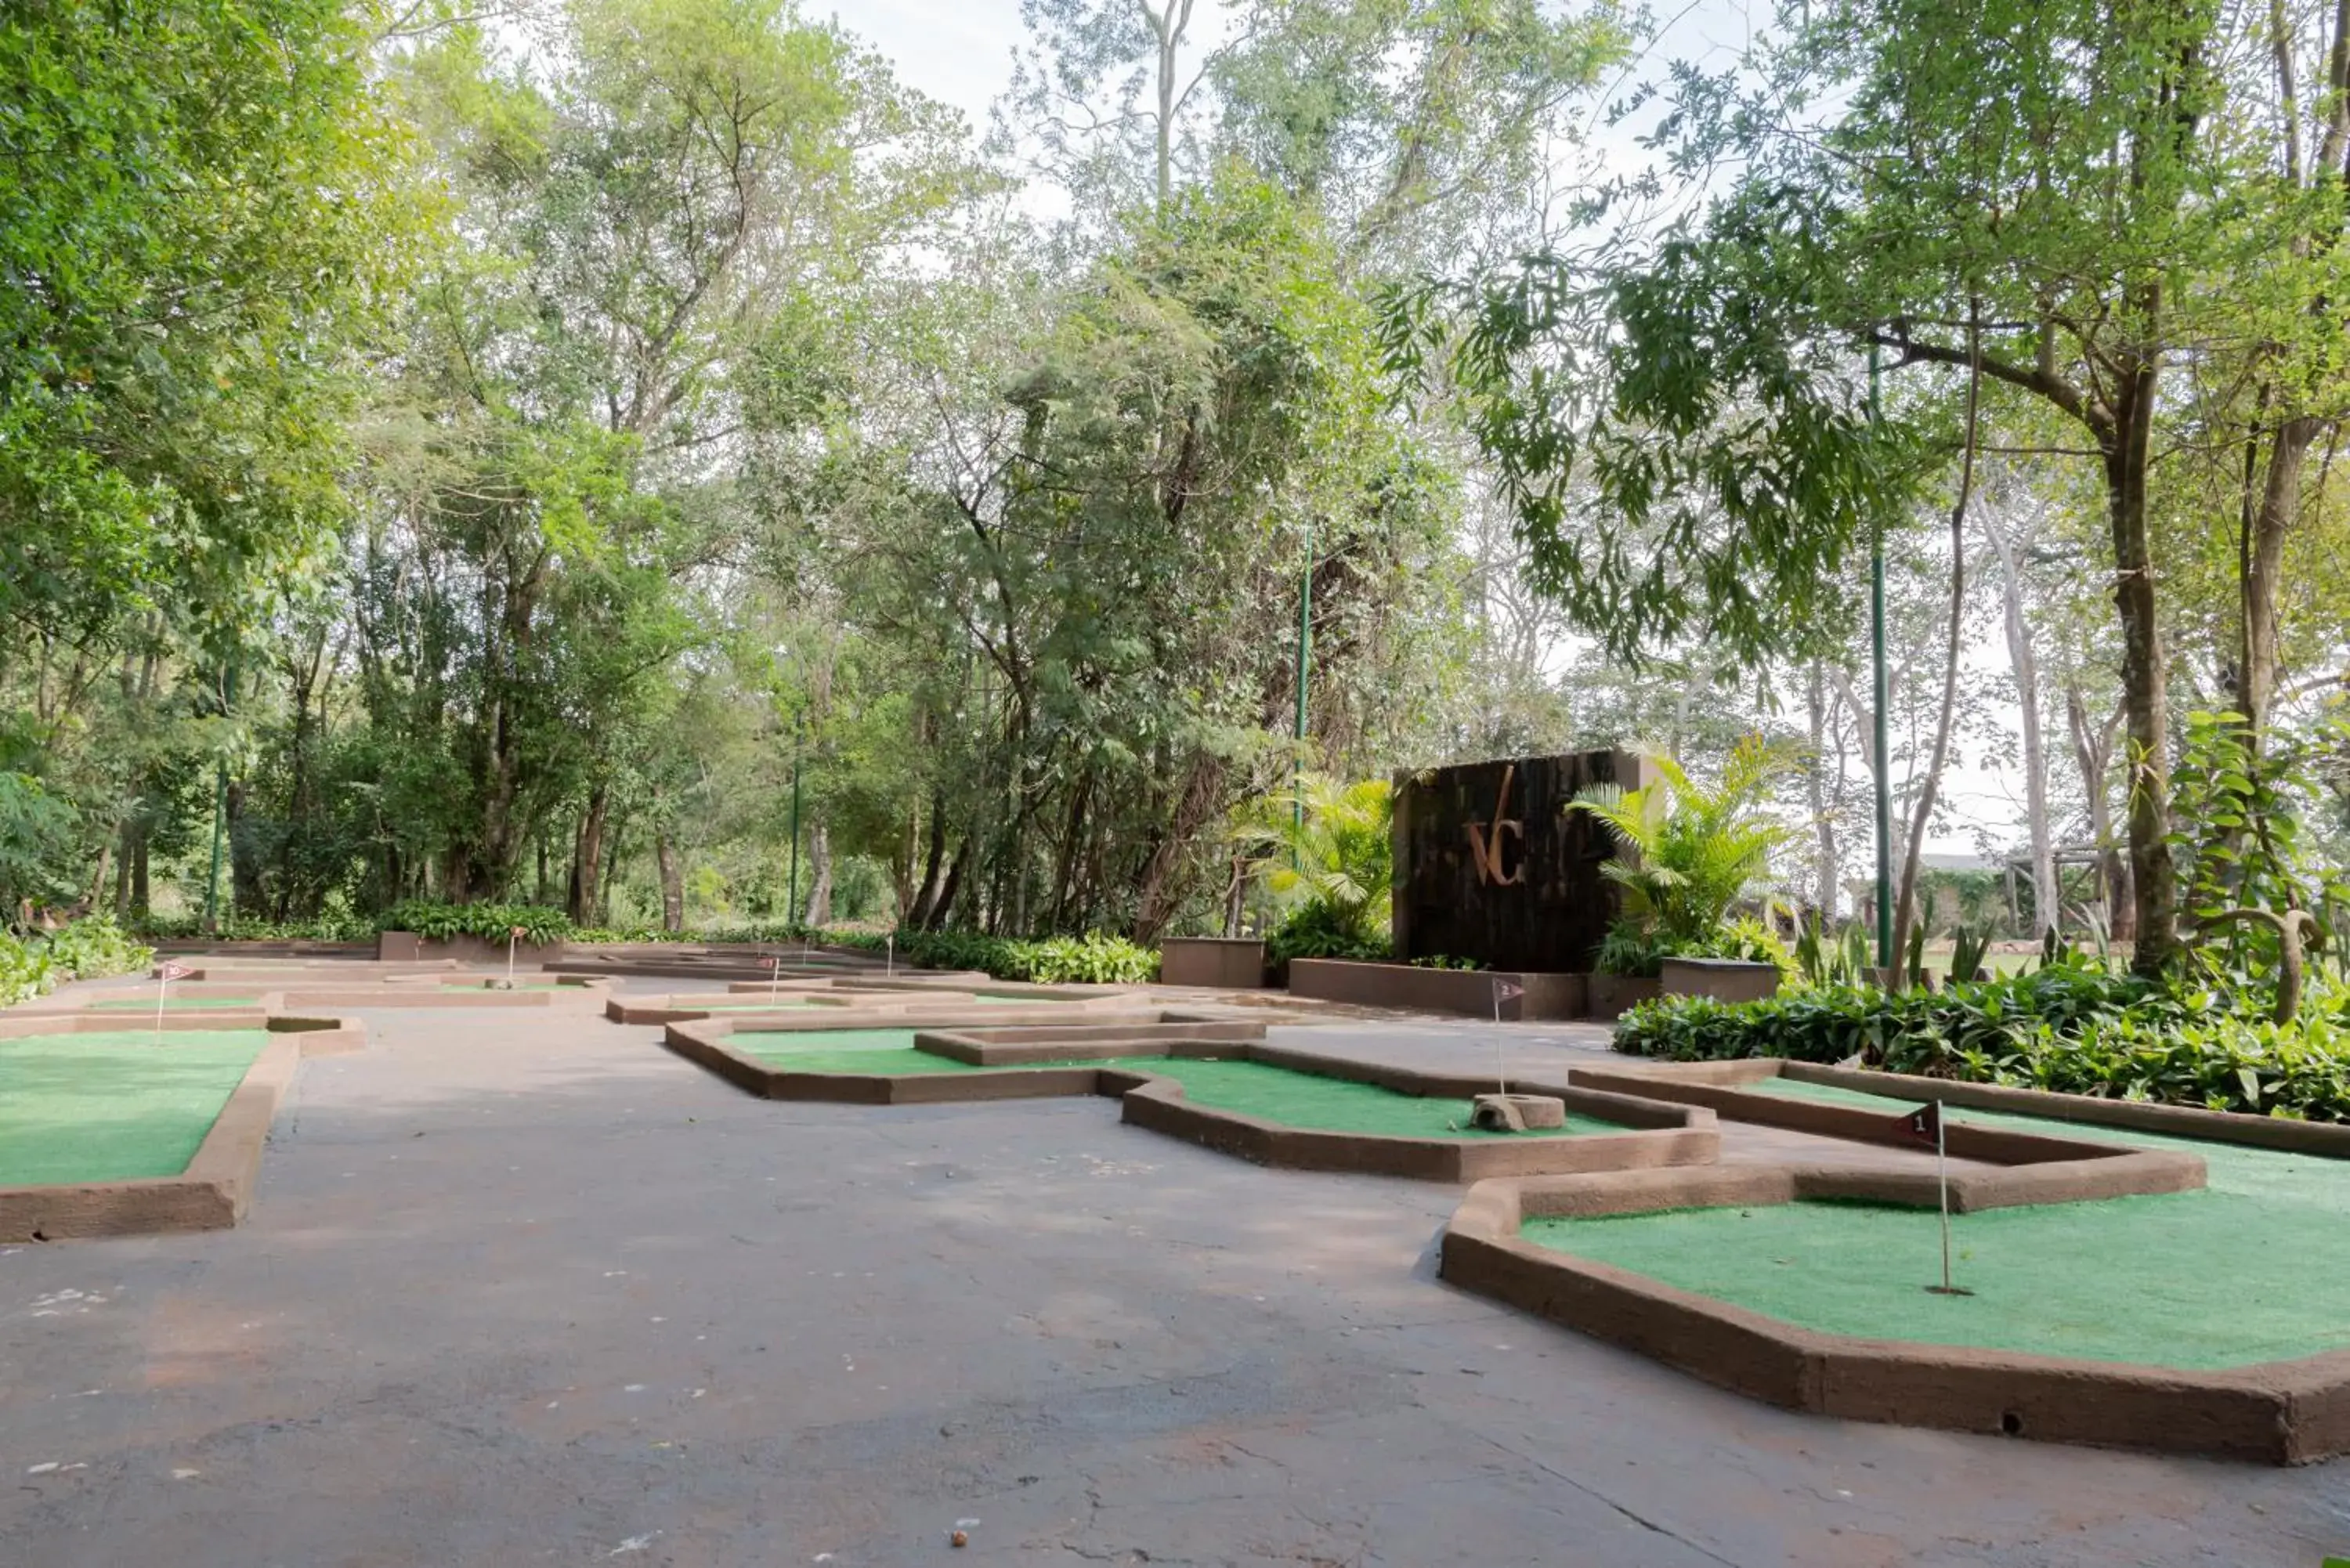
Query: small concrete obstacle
[1518, 1112]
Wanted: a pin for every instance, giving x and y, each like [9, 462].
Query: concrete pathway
[523, 1288]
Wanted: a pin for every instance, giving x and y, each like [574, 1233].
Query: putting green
[776, 1006]
[171, 1003]
[2248, 1270]
[111, 1106]
[1279, 1094]
[1298, 1099]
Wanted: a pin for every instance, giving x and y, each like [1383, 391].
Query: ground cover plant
[38, 963]
[2071, 1026]
[2242, 1272]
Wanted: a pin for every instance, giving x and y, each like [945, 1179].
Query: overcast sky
[959, 52]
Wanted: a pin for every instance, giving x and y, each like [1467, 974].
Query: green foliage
[2072, 1028]
[1444, 960]
[90, 948]
[1315, 931]
[490, 922]
[1686, 851]
[2244, 838]
[1968, 950]
[1631, 949]
[1093, 958]
[1333, 862]
[200, 205]
[1839, 962]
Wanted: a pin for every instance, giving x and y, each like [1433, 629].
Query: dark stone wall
[1550, 906]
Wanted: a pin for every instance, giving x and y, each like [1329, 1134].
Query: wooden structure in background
[1491, 866]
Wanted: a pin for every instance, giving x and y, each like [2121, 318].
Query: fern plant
[1685, 852]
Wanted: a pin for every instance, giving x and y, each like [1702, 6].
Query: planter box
[1723, 979]
[1612, 995]
[1235, 963]
[407, 947]
[1468, 992]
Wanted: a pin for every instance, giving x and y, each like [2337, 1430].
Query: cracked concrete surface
[527, 1288]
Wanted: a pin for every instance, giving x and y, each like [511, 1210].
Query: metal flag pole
[1943, 1181]
[1501, 1068]
[513, 935]
[1881, 699]
[890, 955]
[775, 975]
[162, 984]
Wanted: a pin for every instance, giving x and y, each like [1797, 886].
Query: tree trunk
[2260, 565]
[1826, 867]
[960, 862]
[918, 917]
[818, 911]
[2026, 664]
[1905, 911]
[2154, 879]
[588, 859]
[672, 883]
[2094, 754]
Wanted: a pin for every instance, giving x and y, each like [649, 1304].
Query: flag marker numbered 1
[165, 973]
[1925, 1126]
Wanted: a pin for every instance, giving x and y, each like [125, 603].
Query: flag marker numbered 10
[165, 973]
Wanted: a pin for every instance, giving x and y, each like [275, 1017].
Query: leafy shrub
[1315, 929]
[2071, 1027]
[1094, 959]
[342, 928]
[1630, 949]
[1686, 853]
[1446, 960]
[35, 965]
[490, 922]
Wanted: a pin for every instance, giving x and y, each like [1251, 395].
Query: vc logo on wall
[1485, 840]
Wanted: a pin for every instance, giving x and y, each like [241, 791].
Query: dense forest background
[636, 456]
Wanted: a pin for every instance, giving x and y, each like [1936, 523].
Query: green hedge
[2072, 1028]
[1093, 958]
[36, 965]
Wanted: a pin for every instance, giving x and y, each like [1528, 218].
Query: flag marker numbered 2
[165, 973]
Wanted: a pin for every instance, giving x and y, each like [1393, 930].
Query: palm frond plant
[1334, 866]
[1685, 851]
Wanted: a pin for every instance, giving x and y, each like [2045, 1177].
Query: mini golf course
[114, 1106]
[2249, 1269]
[171, 1003]
[1278, 1094]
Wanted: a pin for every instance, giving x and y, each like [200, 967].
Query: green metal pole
[220, 813]
[792, 913]
[1883, 688]
[1305, 668]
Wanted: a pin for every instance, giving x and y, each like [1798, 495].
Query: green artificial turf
[1334, 1105]
[111, 1106]
[171, 1003]
[2250, 1268]
[775, 1006]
